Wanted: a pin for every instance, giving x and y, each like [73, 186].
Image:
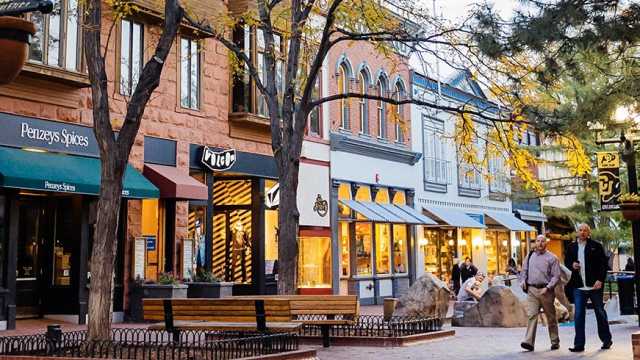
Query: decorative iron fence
[375, 326]
[150, 344]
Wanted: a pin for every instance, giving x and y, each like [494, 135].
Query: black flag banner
[609, 180]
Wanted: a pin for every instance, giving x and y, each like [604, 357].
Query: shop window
[344, 193]
[491, 250]
[151, 226]
[382, 196]
[315, 262]
[383, 252]
[343, 235]
[232, 245]
[131, 55]
[196, 231]
[57, 40]
[232, 192]
[271, 240]
[430, 250]
[363, 248]
[447, 248]
[503, 251]
[189, 74]
[400, 241]
[63, 243]
[399, 198]
[464, 244]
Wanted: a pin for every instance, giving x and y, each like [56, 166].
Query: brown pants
[535, 301]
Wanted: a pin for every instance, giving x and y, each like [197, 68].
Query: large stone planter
[152, 291]
[209, 290]
[14, 42]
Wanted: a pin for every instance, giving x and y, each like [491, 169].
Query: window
[363, 248]
[382, 116]
[315, 262]
[436, 167]
[469, 176]
[399, 95]
[343, 88]
[400, 248]
[131, 53]
[315, 122]
[383, 252]
[189, 74]
[498, 180]
[57, 39]
[363, 81]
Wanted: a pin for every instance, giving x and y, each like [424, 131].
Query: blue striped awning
[508, 220]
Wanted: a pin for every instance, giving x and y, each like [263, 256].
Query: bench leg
[326, 340]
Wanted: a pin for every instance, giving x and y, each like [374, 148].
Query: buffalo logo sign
[321, 206]
[218, 160]
[272, 197]
[609, 179]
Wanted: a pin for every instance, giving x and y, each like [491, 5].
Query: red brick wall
[393, 65]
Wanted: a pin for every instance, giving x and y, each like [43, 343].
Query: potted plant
[206, 284]
[630, 206]
[166, 287]
[14, 42]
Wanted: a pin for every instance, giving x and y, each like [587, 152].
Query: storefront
[49, 183]
[530, 212]
[375, 230]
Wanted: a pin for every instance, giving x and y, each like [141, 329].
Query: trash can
[625, 294]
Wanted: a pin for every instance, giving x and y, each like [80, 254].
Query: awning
[408, 214]
[531, 215]
[389, 216]
[363, 210]
[44, 171]
[175, 184]
[508, 220]
[452, 217]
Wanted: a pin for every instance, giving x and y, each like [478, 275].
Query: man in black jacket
[588, 263]
[467, 270]
[455, 276]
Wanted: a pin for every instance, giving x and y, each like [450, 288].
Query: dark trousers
[580, 298]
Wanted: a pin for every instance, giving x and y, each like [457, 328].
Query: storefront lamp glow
[504, 243]
[463, 242]
[451, 242]
[476, 241]
[487, 243]
[423, 242]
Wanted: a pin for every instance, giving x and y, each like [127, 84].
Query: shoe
[607, 345]
[576, 349]
[555, 346]
[526, 346]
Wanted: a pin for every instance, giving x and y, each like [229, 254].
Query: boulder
[498, 307]
[428, 296]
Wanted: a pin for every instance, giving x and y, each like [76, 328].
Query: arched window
[363, 81]
[381, 85]
[343, 88]
[399, 95]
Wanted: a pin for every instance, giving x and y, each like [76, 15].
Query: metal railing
[374, 326]
[149, 344]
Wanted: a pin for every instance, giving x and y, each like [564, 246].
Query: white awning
[509, 221]
[408, 214]
[531, 215]
[452, 217]
[362, 210]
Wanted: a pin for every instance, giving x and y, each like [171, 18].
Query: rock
[428, 296]
[498, 307]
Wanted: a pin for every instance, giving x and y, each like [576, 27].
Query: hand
[576, 266]
[597, 285]
[544, 291]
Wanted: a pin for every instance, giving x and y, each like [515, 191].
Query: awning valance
[44, 171]
[452, 217]
[507, 220]
[531, 215]
[174, 184]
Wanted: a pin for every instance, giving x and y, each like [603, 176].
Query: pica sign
[218, 160]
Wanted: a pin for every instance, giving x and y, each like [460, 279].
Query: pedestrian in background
[588, 262]
[455, 275]
[467, 270]
[539, 276]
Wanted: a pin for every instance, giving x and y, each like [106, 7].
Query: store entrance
[43, 252]
[232, 244]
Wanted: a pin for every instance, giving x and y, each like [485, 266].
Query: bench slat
[228, 326]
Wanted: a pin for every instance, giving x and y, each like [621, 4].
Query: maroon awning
[175, 184]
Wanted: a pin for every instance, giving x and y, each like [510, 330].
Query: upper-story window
[131, 55]
[189, 74]
[469, 176]
[399, 94]
[343, 88]
[436, 165]
[57, 41]
[245, 94]
[381, 86]
[315, 121]
[498, 178]
[363, 83]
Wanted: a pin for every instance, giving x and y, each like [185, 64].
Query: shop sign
[321, 206]
[151, 243]
[609, 179]
[218, 160]
[272, 198]
[477, 217]
[60, 187]
[25, 132]
[139, 257]
[18, 7]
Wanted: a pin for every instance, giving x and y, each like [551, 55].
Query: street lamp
[628, 155]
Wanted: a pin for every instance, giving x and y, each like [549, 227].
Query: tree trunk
[103, 253]
[288, 220]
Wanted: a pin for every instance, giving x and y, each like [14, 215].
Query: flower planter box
[630, 211]
[14, 42]
[209, 290]
[152, 291]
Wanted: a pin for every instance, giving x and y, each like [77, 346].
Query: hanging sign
[218, 160]
[272, 198]
[18, 7]
[609, 180]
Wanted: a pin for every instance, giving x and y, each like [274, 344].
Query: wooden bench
[321, 310]
[226, 314]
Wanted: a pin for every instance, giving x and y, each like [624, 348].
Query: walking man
[588, 262]
[539, 276]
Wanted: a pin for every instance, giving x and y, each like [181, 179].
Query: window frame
[399, 93]
[381, 107]
[342, 80]
[317, 109]
[433, 133]
[198, 74]
[363, 80]
[131, 86]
